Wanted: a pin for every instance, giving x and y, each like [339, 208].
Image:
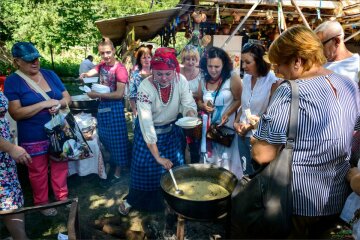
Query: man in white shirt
[86, 65]
[340, 59]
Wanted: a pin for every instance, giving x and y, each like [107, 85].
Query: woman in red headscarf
[157, 141]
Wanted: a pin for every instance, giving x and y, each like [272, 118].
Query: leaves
[65, 23]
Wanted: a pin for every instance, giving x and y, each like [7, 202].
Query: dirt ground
[99, 218]
[98, 215]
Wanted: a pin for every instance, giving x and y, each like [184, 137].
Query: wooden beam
[286, 3]
[241, 23]
[293, 2]
[352, 35]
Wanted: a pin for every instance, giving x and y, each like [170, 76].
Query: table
[91, 165]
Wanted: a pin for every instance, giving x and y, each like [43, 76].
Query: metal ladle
[177, 190]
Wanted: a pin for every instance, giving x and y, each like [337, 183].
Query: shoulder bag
[220, 134]
[262, 205]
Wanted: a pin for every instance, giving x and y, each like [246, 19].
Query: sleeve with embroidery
[143, 103]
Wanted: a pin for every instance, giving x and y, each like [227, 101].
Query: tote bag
[262, 205]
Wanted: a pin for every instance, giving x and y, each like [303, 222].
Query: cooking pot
[82, 103]
[202, 209]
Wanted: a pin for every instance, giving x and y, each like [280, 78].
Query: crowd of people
[161, 90]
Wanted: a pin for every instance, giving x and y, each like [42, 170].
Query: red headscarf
[165, 59]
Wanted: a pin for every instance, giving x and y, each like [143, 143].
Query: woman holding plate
[157, 140]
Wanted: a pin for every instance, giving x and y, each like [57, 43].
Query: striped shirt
[322, 147]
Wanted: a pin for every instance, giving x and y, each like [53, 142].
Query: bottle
[225, 160]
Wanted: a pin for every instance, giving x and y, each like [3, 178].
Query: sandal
[124, 208]
[50, 212]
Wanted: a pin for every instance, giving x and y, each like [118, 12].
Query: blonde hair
[297, 41]
[106, 42]
[189, 51]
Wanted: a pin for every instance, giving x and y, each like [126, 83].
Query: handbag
[67, 142]
[262, 204]
[222, 135]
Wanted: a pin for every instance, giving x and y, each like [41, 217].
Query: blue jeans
[245, 155]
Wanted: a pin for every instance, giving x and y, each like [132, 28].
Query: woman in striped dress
[157, 140]
[328, 108]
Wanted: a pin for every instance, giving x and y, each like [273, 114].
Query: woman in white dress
[258, 82]
[220, 89]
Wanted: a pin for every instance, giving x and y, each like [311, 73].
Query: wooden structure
[73, 225]
[222, 17]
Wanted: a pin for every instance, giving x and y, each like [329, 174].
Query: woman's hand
[83, 75]
[93, 94]
[208, 107]
[191, 113]
[224, 119]
[20, 155]
[55, 109]
[51, 103]
[242, 128]
[166, 163]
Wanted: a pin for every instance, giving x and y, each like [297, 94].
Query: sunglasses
[248, 46]
[330, 39]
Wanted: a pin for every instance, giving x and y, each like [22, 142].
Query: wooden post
[180, 230]
[241, 23]
[293, 2]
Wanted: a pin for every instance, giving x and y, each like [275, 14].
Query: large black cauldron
[200, 210]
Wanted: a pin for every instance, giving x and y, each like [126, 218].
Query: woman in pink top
[111, 118]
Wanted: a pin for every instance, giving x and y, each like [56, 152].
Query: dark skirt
[113, 131]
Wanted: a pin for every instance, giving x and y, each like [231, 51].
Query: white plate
[83, 97]
[91, 80]
[188, 122]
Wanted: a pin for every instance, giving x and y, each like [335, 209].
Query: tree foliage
[61, 24]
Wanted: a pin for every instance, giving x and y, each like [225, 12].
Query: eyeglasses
[330, 39]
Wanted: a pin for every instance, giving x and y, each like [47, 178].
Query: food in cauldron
[200, 190]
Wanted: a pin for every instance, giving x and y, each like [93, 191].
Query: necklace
[161, 97]
[211, 81]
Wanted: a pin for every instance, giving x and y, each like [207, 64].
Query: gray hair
[330, 29]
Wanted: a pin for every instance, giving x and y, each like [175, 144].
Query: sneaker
[50, 212]
[124, 208]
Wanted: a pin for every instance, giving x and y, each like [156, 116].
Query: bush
[65, 68]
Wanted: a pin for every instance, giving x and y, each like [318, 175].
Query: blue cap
[25, 50]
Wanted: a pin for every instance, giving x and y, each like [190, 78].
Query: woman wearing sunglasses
[257, 83]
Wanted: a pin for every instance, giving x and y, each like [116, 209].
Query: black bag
[66, 140]
[262, 205]
[222, 135]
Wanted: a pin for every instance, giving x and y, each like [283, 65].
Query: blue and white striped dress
[323, 143]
